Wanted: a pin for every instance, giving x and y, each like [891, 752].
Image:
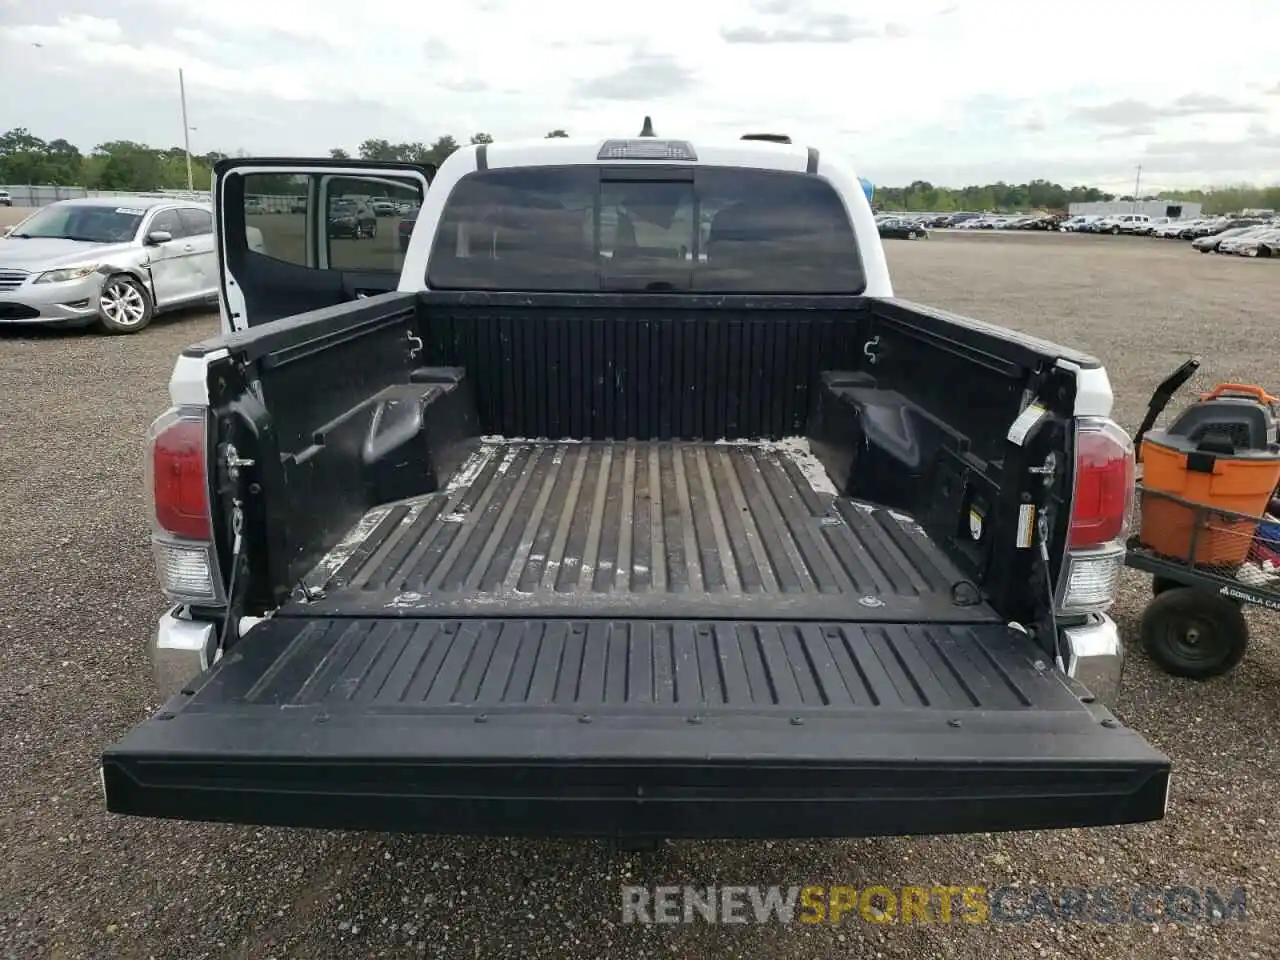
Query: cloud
[464, 85]
[811, 27]
[435, 49]
[194, 38]
[1221, 153]
[1137, 113]
[300, 76]
[649, 76]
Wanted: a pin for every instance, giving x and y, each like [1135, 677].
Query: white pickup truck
[627, 502]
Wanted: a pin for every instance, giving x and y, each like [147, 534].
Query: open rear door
[296, 235]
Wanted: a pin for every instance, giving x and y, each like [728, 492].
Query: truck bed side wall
[923, 423]
[326, 406]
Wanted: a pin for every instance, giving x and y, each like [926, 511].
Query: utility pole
[186, 130]
[1137, 185]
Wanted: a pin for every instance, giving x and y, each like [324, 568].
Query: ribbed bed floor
[641, 529]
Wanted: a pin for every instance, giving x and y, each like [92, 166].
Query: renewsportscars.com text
[974, 904]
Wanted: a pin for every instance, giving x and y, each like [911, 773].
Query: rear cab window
[592, 228]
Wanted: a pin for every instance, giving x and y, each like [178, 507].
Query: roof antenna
[648, 128]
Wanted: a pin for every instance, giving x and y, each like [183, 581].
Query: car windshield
[586, 228]
[89, 223]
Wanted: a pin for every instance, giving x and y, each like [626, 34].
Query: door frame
[320, 171]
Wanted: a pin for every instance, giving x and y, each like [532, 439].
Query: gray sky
[952, 92]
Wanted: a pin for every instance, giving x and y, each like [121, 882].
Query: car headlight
[66, 273]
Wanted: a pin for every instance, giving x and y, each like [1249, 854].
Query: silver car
[112, 261]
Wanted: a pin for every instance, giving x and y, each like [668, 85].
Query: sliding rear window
[593, 228]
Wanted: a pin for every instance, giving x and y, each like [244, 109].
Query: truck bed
[635, 529]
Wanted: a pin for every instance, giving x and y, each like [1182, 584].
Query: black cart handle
[1161, 397]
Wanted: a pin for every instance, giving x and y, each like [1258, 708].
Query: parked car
[1120, 223]
[424, 622]
[404, 228]
[902, 230]
[1145, 229]
[385, 208]
[1079, 224]
[1204, 228]
[1049, 222]
[1211, 243]
[113, 262]
[1248, 244]
[1173, 229]
[6, 199]
[351, 219]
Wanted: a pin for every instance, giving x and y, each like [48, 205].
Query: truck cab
[1122, 223]
[625, 500]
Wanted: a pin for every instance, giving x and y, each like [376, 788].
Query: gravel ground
[11, 215]
[78, 597]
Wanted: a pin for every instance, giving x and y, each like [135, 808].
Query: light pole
[1137, 185]
[186, 131]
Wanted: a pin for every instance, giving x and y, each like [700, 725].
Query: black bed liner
[635, 728]
[748, 531]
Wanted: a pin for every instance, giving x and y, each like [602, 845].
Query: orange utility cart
[1208, 481]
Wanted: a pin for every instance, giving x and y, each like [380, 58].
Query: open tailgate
[635, 728]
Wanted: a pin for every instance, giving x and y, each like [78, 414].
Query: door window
[169, 222]
[362, 221]
[197, 222]
[276, 207]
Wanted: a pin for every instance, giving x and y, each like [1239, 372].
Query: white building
[1177, 209]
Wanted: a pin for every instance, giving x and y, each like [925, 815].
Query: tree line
[129, 166]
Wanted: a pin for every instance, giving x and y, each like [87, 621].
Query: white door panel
[199, 224]
[175, 271]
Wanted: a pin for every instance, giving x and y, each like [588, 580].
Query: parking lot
[78, 597]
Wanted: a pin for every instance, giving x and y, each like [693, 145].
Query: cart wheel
[1160, 584]
[1193, 633]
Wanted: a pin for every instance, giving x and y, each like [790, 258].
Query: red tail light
[1104, 483]
[180, 478]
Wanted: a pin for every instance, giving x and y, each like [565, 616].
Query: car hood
[40, 253]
